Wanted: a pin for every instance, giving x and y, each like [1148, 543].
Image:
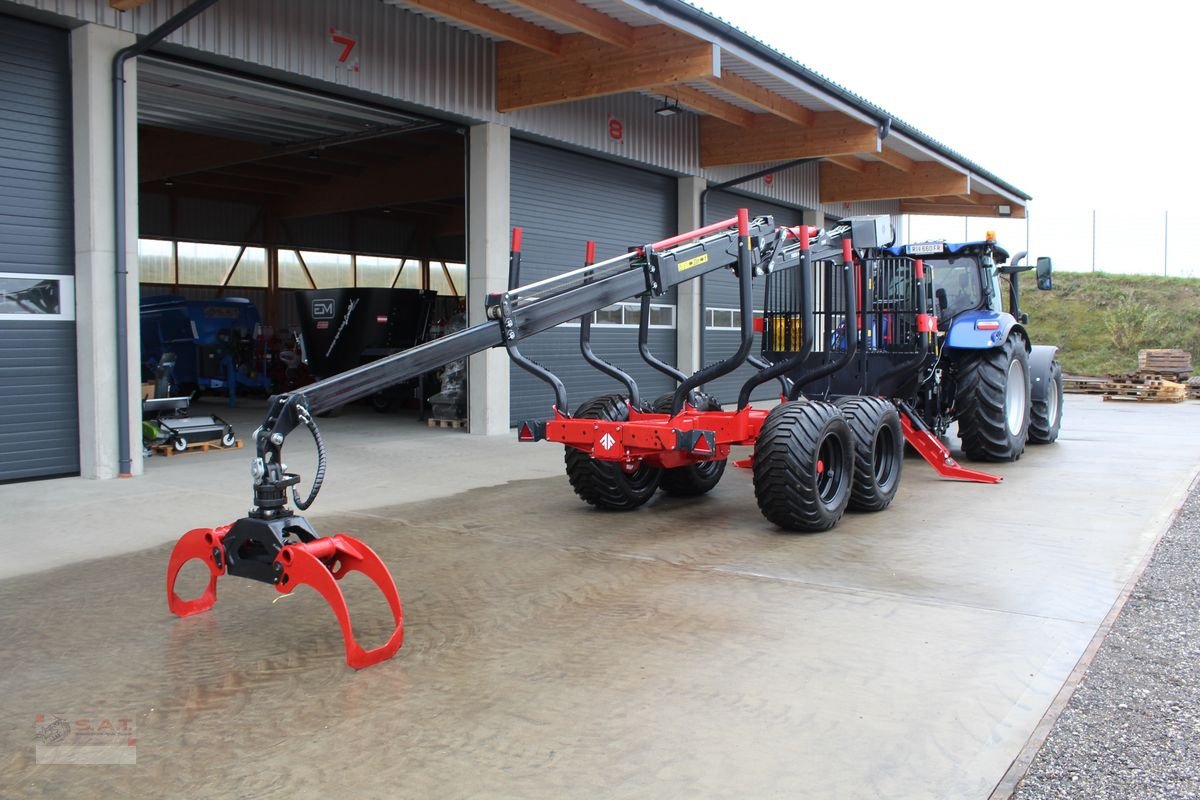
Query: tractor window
[956, 286]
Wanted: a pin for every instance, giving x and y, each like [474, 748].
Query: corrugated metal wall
[39, 419]
[561, 200]
[720, 290]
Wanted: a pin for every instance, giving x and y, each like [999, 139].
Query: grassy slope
[1101, 321]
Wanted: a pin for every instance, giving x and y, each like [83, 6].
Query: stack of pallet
[1159, 378]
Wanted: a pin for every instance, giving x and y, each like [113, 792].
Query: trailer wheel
[608, 484]
[228, 440]
[696, 479]
[992, 402]
[804, 466]
[180, 444]
[878, 451]
[1046, 417]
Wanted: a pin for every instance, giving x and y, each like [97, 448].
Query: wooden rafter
[497, 23]
[126, 5]
[897, 160]
[852, 163]
[881, 182]
[583, 19]
[707, 104]
[767, 100]
[773, 139]
[586, 67]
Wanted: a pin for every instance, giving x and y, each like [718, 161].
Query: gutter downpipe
[125, 462]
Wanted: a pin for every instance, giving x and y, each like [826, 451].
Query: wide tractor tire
[1046, 417]
[992, 402]
[804, 466]
[609, 484]
[691, 480]
[878, 451]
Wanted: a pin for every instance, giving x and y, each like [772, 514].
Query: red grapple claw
[313, 564]
[202, 544]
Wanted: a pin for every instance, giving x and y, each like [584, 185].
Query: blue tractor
[917, 337]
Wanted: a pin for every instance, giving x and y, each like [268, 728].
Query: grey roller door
[39, 427]
[720, 295]
[561, 200]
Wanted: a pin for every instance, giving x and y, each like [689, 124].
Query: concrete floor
[683, 650]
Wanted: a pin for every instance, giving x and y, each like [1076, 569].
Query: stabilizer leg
[935, 453]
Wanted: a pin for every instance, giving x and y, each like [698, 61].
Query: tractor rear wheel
[878, 451]
[691, 480]
[804, 466]
[610, 485]
[992, 401]
[1046, 418]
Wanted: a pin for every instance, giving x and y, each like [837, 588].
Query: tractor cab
[963, 275]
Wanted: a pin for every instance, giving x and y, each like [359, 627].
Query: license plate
[925, 249]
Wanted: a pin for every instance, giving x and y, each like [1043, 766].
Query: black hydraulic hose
[124, 459]
[319, 475]
[851, 340]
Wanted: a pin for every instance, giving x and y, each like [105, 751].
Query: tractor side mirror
[1044, 268]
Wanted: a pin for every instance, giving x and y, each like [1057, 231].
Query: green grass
[1100, 321]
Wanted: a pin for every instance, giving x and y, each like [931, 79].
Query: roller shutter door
[39, 423]
[561, 200]
[721, 334]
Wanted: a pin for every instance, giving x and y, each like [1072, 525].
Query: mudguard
[965, 334]
[1041, 356]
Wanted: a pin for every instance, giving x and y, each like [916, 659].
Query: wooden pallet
[1143, 387]
[1165, 361]
[445, 423]
[196, 447]
[1144, 398]
[1083, 385]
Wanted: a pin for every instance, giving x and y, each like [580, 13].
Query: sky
[1089, 107]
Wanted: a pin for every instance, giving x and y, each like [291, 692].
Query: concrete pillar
[487, 269]
[814, 219]
[92, 51]
[689, 315]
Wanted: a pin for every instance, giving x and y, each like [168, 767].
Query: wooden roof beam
[767, 100]
[497, 23]
[773, 139]
[583, 19]
[589, 68]
[881, 182]
[707, 104]
[126, 5]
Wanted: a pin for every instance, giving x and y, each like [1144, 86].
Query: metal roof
[764, 66]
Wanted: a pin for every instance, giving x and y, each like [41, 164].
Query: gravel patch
[1131, 730]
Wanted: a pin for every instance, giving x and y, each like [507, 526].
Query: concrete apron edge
[1007, 785]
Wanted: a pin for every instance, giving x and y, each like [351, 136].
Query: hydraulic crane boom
[275, 545]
